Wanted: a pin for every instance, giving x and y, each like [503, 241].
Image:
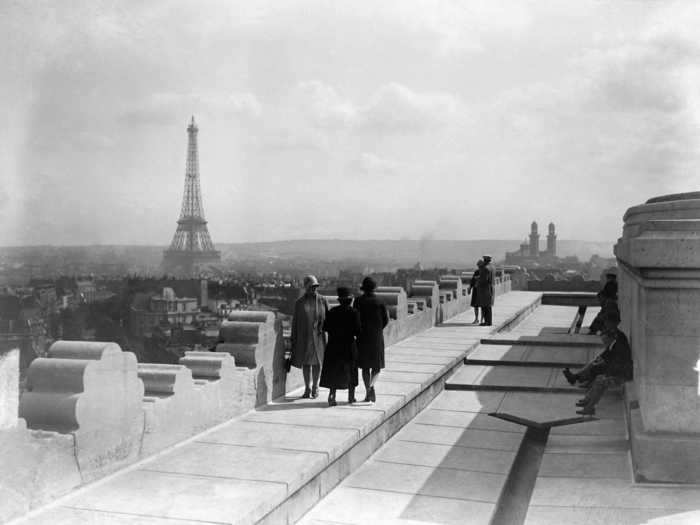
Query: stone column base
[662, 457]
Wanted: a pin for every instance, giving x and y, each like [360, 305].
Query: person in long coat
[308, 340]
[472, 291]
[486, 291]
[339, 371]
[373, 319]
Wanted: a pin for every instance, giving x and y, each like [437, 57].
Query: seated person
[607, 298]
[599, 364]
[618, 369]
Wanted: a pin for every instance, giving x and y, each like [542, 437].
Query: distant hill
[403, 252]
[387, 253]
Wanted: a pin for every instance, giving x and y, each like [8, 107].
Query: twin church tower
[529, 252]
[534, 245]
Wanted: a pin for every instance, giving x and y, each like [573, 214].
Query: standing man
[486, 290]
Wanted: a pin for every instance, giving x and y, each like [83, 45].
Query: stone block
[9, 388]
[89, 389]
[395, 303]
[243, 353]
[37, 467]
[389, 289]
[676, 365]
[255, 340]
[253, 316]
[427, 291]
[226, 390]
[172, 406]
[657, 416]
[663, 456]
[452, 283]
[241, 332]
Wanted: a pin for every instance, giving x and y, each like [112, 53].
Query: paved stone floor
[451, 463]
[242, 470]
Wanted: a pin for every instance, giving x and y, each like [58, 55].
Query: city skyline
[410, 120]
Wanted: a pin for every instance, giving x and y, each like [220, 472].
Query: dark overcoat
[340, 360]
[472, 289]
[618, 358]
[300, 330]
[485, 287]
[373, 319]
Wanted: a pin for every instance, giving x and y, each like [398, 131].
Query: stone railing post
[659, 290]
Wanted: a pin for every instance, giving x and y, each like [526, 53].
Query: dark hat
[480, 262]
[487, 257]
[344, 292]
[368, 284]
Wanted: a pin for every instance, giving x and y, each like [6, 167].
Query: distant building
[86, 290]
[530, 254]
[551, 241]
[166, 309]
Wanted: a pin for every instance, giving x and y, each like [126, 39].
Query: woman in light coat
[308, 340]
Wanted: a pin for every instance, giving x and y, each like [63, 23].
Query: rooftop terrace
[471, 424]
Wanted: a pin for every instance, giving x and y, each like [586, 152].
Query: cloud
[371, 165]
[391, 108]
[322, 104]
[395, 107]
[166, 108]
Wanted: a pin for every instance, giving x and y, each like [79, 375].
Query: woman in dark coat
[339, 361]
[472, 291]
[370, 344]
[308, 340]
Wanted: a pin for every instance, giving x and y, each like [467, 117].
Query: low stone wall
[89, 409]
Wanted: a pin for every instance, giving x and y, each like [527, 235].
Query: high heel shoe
[331, 401]
[314, 393]
[306, 394]
[372, 396]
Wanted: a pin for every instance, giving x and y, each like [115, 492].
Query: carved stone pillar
[659, 259]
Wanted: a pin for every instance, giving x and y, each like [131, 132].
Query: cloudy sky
[333, 119]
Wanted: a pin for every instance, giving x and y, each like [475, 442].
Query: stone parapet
[659, 289]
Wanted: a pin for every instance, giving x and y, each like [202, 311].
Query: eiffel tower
[191, 246]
